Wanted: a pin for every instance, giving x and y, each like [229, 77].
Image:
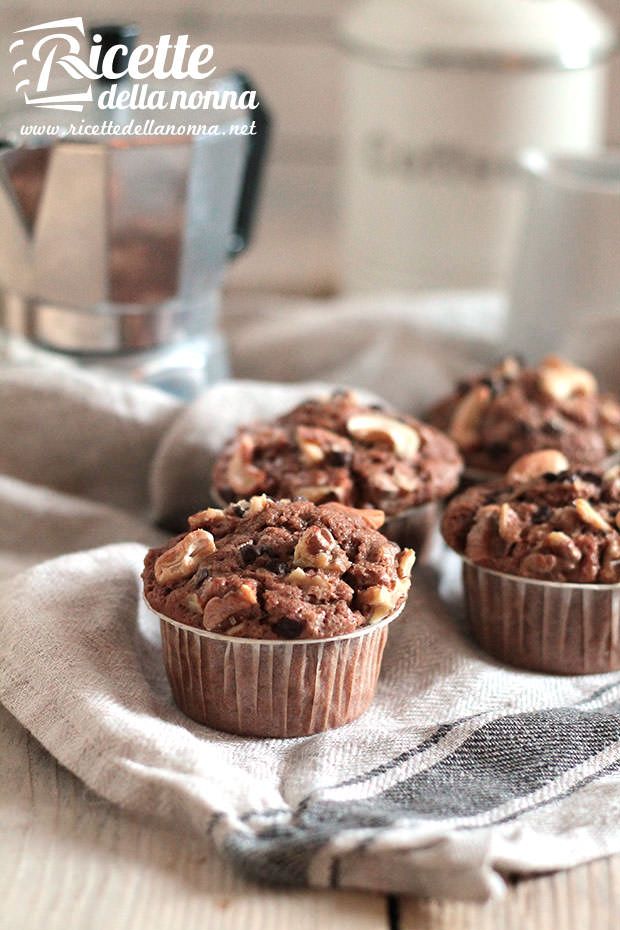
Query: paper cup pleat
[544, 626]
[272, 688]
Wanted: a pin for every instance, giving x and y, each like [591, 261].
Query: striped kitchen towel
[462, 773]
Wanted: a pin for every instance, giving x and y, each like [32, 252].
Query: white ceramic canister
[441, 96]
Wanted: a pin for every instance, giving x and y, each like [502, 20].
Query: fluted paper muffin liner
[544, 626]
[272, 688]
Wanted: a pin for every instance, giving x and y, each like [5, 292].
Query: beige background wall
[288, 46]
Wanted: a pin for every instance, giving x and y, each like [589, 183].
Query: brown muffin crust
[499, 415]
[278, 570]
[339, 449]
[555, 526]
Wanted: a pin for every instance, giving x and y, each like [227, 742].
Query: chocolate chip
[338, 458]
[349, 578]
[497, 450]
[591, 476]
[240, 509]
[249, 553]
[288, 628]
[278, 568]
[201, 575]
[524, 429]
[550, 428]
[542, 514]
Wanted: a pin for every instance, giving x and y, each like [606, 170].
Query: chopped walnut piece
[192, 603]
[610, 568]
[372, 427]
[406, 561]
[374, 518]
[242, 475]
[534, 464]
[383, 600]
[611, 435]
[220, 611]
[561, 380]
[509, 368]
[467, 415]
[204, 517]
[592, 517]
[538, 564]
[313, 584]
[317, 548]
[182, 560]
[563, 545]
[258, 503]
[311, 451]
[320, 492]
[509, 524]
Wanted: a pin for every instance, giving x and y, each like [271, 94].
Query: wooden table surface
[70, 861]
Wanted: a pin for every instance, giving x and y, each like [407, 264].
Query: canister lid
[557, 34]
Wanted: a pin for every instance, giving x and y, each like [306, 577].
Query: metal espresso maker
[114, 247]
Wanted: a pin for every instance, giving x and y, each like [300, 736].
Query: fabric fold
[461, 772]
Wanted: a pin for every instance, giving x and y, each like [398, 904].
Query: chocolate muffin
[511, 410]
[338, 449]
[249, 583]
[541, 552]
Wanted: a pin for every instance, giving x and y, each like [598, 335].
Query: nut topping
[374, 518]
[183, 559]
[563, 545]
[317, 548]
[243, 476]
[591, 516]
[315, 584]
[383, 600]
[468, 414]
[204, 517]
[220, 611]
[320, 492]
[509, 368]
[258, 504]
[311, 451]
[561, 380]
[406, 561]
[535, 464]
[508, 523]
[377, 427]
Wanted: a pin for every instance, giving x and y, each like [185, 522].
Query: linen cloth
[462, 772]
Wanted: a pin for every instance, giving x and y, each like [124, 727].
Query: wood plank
[70, 861]
[584, 898]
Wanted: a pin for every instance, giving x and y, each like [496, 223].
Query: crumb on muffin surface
[278, 570]
[555, 526]
[501, 414]
[338, 449]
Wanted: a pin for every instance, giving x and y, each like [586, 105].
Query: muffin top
[544, 520]
[338, 449]
[279, 570]
[504, 413]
